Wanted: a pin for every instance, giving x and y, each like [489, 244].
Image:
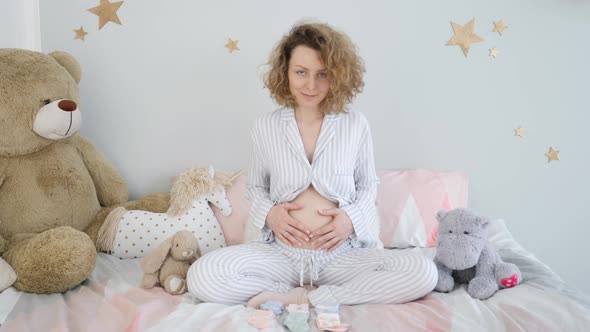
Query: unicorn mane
[193, 183]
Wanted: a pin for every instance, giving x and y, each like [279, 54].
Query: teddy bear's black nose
[67, 105]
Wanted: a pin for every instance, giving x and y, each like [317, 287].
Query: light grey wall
[19, 24]
[161, 93]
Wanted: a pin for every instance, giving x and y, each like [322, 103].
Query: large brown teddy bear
[55, 187]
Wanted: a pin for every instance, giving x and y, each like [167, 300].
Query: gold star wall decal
[80, 34]
[493, 52]
[107, 12]
[499, 27]
[464, 36]
[519, 132]
[552, 154]
[232, 45]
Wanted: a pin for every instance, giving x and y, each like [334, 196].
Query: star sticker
[552, 154]
[519, 132]
[107, 12]
[464, 36]
[494, 52]
[499, 27]
[232, 45]
[80, 33]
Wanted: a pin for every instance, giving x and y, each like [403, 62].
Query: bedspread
[111, 300]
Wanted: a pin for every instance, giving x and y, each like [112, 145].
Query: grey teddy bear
[464, 255]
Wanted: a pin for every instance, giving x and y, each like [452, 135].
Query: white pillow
[7, 275]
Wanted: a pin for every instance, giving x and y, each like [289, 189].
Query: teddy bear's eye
[466, 232]
[451, 232]
[46, 102]
[177, 244]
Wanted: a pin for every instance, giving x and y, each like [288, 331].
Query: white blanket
[111, 300]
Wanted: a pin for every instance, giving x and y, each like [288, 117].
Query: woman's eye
[46, 102]
[323, 75]
[300, 72]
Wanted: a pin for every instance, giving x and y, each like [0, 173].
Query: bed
[111, 300]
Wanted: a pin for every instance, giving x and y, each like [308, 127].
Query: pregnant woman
[312, 187]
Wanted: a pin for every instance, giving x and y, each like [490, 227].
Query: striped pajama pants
[234, 274]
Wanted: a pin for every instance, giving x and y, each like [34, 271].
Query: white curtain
[20, 24]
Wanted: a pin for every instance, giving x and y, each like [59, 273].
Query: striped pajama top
[342, 170]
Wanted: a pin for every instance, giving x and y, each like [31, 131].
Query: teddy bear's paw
[482, 288]
[175, 285]
[53, 261]
[149, 280]
[445, 283]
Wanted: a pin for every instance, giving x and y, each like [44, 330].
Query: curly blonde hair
[339, 55]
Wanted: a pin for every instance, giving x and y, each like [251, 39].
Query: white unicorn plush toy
[135, 233]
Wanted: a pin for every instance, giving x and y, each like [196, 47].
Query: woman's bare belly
[311, 201]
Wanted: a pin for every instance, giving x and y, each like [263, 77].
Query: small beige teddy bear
[168, 264]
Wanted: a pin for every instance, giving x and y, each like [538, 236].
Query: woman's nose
[311, 83]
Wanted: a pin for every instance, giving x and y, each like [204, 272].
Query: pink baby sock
[262, 319]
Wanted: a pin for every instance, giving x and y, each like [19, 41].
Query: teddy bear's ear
[154, 260]
[440, 215]
[69, 63]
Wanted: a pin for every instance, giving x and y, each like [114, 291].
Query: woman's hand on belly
[286, 228]
[311, 202]
[333, 234]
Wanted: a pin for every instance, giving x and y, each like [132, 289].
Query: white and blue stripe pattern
[347, 276]
[342, 170]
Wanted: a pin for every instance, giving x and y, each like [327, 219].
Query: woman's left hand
[333, 234]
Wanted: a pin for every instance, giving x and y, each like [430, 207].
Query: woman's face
[308, 78]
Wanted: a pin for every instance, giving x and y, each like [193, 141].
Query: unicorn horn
[236, 175]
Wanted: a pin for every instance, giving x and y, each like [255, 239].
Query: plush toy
[133, 234]
[168, 264]
[464, 255]
[55, 187]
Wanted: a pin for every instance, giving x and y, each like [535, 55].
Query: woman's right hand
[286, 228]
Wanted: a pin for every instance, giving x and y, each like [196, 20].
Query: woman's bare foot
[295, 296]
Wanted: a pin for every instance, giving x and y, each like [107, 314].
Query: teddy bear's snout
[67, 105]
[187, 253]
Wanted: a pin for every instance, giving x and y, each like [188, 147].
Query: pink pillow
[407, 203]
[233, 226]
